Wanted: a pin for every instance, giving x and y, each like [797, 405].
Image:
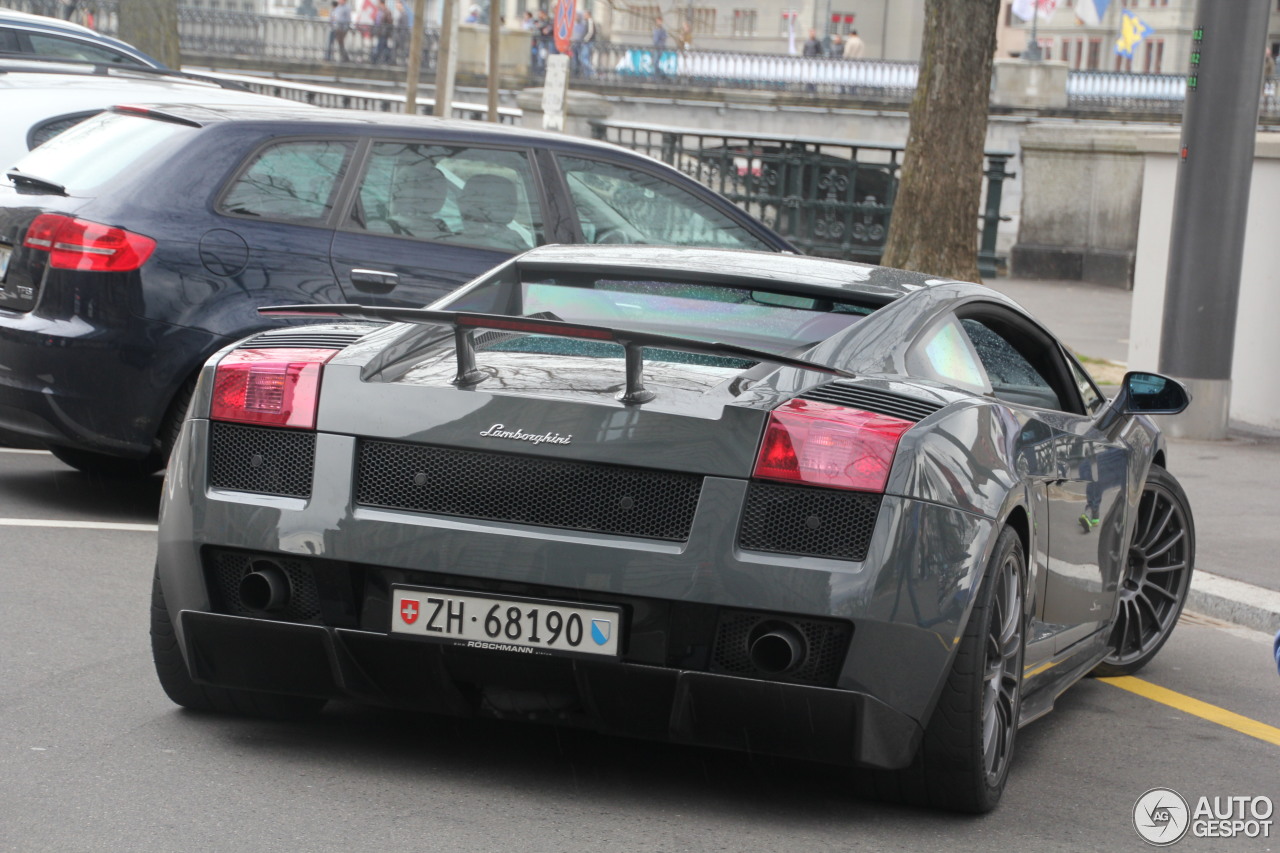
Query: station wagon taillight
[820, 444]
[271, 387]
[78, 244]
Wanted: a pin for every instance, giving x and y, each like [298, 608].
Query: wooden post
[495, 67]
[415, 57]
[447, 59]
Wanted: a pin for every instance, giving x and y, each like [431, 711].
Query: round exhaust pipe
[777, 649]
[266, 588]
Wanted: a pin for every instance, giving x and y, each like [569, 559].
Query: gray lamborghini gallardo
[804, 507]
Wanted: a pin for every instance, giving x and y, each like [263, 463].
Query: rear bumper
[106, 389]
[633, 700]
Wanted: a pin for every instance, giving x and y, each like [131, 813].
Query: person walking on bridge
[339, 26]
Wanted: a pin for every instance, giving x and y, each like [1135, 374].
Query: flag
[1090, 12]
[1132, 31]
[1024, 9]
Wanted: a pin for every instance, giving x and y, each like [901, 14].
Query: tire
[1161, 558]
[967, 749]
[178, 685]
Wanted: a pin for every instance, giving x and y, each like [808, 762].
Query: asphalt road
[93, 757]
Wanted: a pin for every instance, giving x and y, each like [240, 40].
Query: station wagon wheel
[1157, 576]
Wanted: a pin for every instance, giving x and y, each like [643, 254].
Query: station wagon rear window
[99, 149]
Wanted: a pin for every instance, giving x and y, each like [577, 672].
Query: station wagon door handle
[374, 281]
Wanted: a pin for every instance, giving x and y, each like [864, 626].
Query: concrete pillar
[580, 109]
[1029, 85]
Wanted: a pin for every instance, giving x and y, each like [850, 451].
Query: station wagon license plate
[5, 254]
[503, 623]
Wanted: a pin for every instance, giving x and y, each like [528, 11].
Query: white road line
[20, 450]
[78, 525]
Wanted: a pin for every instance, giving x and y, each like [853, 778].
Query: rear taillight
[77, 244]
[274, 387]
[820, 444]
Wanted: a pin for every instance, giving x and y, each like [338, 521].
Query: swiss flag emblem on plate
[409, 610]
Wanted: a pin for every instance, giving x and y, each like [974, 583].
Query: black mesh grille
[873, 400]
[257, 459]
[225, 570]
[806, 520]
[825, 645]
[550, 493]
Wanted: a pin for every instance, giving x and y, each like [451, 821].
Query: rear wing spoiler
[465, 324]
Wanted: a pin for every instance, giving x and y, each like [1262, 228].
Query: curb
[1234, 601]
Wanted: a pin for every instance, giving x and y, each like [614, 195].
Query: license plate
[5, 253]
[503, 623]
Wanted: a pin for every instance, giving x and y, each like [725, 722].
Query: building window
[841, 23]
[1095, 53]
[744, 22]
[701, 18]
[640, 18]
[790, 23]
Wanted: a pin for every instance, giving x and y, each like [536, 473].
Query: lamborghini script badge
[517, 434]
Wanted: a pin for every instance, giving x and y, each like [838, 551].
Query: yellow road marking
[1195, 707]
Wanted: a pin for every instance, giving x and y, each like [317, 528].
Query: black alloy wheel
[1157, 576]
[967, 749]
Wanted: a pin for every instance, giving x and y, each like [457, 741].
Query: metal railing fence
[830, 197]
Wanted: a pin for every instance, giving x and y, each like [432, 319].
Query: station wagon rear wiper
[465, 323]
[33, 180]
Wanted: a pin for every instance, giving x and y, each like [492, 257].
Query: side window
[63, 48]
[1093, 400]
[46, 130]
[1013, 377]
[945, 354]
[290, 181]
[472, 196]
[8, 40]
[616, 204]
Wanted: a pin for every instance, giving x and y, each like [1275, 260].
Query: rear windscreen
[773, 319]
[90, 154]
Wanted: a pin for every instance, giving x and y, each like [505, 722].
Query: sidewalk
[1231, 483]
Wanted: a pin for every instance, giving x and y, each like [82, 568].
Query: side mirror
[1146, 394]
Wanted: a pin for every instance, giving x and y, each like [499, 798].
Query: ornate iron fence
[830, 197]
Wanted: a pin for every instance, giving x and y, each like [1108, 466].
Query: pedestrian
[854, 46]
[383, 26]
[813, 47]
[404, 30]
[1268, 71]
[339, 26]
[659, 34]
[584, 34]
[686, 35]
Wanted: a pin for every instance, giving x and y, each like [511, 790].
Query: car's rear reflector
[836, 447]
[78, 244]
[271, 387]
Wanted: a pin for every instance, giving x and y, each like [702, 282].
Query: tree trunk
[935, 214]
[152, 27]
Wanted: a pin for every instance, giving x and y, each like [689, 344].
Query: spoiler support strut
[465, 323]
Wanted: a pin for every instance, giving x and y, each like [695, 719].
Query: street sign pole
[1210, 209]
